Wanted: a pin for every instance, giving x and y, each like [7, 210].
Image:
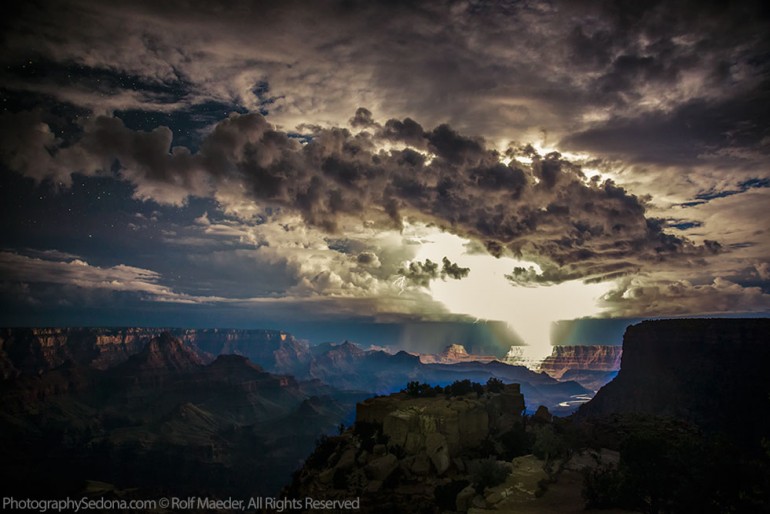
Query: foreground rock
[404, 452]
[444, 453]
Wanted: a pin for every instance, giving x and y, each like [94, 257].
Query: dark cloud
[546, 211]
[670, 98]
[362, 119]
[689, 134]
[421, 273]
[453, 270]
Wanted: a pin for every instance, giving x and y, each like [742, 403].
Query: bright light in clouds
[486, 294]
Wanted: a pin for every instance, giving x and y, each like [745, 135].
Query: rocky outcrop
[585, 357]
[162, 359]
[35, 350]
[453, 354]
[342, 366]
[162, 421]
[440, 427]
[438, 453]
[712, 372]
[274, 350]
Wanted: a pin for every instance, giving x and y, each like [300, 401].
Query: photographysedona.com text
[77, 504]
[261, 503]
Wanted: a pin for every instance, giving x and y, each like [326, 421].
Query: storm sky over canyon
[257, 163]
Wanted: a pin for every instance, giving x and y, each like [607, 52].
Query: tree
[495, 385]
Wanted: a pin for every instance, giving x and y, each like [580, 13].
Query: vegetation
[516, 442]
[463, 387]
[487, 473]
[456, 388]
[670, 466]
[419, 390]
[495, 385]
[549, 445]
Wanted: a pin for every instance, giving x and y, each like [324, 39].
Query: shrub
[461, 387]
[606, 487]
[495, 385]
[487, 473]
[417, 389]
[548, 444]
[516, 442]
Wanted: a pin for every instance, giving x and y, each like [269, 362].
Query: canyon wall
[712, 372]
[582, 357]
[36, 350]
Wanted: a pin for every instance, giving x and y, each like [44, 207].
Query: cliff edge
[711, 372]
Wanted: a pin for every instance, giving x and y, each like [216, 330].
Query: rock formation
[585, 357]
[423, 451]
[591, 366]
[453, 354]
[442, 428]
[162, 422]
[708, 371]
[401, 439]
[34, 350]
[343, 366]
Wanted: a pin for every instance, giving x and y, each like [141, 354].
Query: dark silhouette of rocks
[712, 372]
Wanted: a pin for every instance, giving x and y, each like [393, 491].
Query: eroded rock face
[453, 354]
[584, 358]
[709, 371]
[34, 350]
[31, 351]
[442, 428]
[404, 452]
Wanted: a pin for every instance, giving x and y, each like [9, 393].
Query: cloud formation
[421, 273]
[548, 210]
[355, 118]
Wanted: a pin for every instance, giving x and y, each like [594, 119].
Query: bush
[495, 385]
[463, 387]
[417, 389]
[516, 442]
[606, 487]
[548, 444]
[487, 473]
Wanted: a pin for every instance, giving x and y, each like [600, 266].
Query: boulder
[542, 415]
[421, 464]
[438, 452]
[464, 498]
[326, 476]
[347, 460]
[374, 486]
[382, 467]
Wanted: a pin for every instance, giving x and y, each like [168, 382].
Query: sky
[289, 164]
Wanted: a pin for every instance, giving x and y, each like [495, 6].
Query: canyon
[139, 412]
[592, 366]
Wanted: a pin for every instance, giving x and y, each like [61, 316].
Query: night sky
[274, 164]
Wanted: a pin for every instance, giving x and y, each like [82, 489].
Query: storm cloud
[602, 141]
[547, 210]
